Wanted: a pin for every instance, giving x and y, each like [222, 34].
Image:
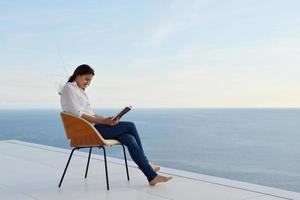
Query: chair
[83, 134]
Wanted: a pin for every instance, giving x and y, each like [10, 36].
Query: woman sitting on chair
[74, 100]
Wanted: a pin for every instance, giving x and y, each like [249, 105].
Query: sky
[152, 54]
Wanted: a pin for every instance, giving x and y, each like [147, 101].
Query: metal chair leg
[126, 162]
[62, 178]
[106, 173]
[88, 163]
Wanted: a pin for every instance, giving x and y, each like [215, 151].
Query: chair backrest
[80, 131]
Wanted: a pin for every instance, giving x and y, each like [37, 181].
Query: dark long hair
[81, 70]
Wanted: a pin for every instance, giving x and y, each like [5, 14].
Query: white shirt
[74, 100]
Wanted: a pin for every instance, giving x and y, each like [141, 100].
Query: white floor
[31, 171]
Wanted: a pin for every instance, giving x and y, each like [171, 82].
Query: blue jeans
[126, 134]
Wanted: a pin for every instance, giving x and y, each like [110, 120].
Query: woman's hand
[111, 122]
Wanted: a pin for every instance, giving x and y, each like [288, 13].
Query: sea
[260, 146]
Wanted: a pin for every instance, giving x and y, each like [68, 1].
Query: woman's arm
[97, 119]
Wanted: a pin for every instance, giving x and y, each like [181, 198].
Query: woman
[74, 100]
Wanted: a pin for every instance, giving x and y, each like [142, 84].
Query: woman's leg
[109, 132]
[133, 131]
[126, 134]
[135, 149]
[137, 155]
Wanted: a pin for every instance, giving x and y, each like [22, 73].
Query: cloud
[176, 18]
[161, 34]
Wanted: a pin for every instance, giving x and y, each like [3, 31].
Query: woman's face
[84, 80]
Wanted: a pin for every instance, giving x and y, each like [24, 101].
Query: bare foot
[155, 168]
[160, 179]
